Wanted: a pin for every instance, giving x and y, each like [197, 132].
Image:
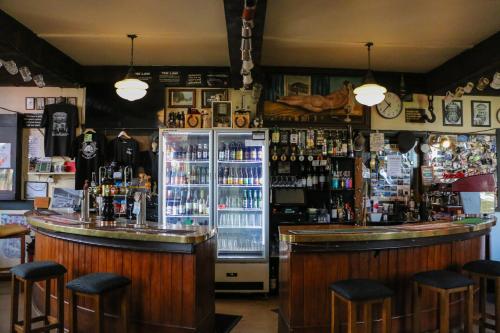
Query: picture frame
[29, 103]
[480, 113]
[39, 103]
[182, 98]
[222, 114]
[50, 100]
[65, 199]
[297, 85]
[453, 113]
[210, 95]
[71, 100]
[33, 189]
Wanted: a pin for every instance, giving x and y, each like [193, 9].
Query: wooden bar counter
[313, 257]
[172, 271]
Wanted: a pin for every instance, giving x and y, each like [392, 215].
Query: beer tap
[85, 205]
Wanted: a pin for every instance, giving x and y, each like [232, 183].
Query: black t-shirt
[60, 122]
[149, 161]
[125, 151]
[90, 154]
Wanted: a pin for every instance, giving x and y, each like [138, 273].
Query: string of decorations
[11, 68]
[246, 42]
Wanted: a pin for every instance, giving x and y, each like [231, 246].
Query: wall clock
[498, 115]
[390, 107]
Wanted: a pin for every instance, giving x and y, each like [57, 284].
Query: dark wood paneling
[305, 278]
[170, 292]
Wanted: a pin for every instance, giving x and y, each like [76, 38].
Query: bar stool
[28, 274]
[444, 283]
[14, 231]
[486, 270]
[361, 292]
[96, 286]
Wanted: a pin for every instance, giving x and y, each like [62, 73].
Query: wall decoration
[181, 98]
[221, 114]
[297, 85]
[5, 153]
[50, 100]
[34, 190]
[65, 198]
[414, 115]
[39, 103]
[480, 113]
[453, 113]
[71, 100]
[210, 95]
[30, 103]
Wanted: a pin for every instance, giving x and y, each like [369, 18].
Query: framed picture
[30, 103]
[453, 114]
[34, 190]
[71, 100]
[296, 85]
[221, 114]
[39, 103]
[181, 98]
[50, 100]
[210, 95]
[65, 198]
[480, 113]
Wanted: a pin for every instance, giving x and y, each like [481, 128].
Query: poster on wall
[65, 198]
[5, 153]
[296, 85]
[453, 113]
[481, 113]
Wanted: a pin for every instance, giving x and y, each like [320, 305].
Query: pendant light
[370, 93]
[131, 88]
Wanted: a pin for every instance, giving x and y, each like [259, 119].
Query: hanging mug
[482, 83]
[459, 92]
[468, 87]
[449, 97]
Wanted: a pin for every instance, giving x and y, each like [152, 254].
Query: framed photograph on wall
[210, 95]
[297, 85]
[39, 103]
[453, 113]
[71, 100]
[221, 114]
[182, 98]
[480, 113]
[34, 190]
[50, 100]
[30, 103]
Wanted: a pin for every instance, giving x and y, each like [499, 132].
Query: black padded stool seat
[38, 269]
[442, 279]
[97, 283]
[485, 267]
[361, 293]
[361, 289]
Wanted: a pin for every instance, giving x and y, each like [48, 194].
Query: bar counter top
[120, 230]
[348, 233]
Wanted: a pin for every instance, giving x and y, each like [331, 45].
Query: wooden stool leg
[482, 304]
[335, 320]
[124, 308]
[387, 315]
[28, 289]
[367, 312]
[416, 308]
[22, 239]
[444, 312]
[351, 317]
[99, 314]
[497, 305]
[73, 321]
[469, 303]
[14, 304]
[47, 303]
[60, 303]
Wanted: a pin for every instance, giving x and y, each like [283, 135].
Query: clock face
[390, 107]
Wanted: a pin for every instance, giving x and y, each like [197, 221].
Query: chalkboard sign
[414, 115]
[32, 120]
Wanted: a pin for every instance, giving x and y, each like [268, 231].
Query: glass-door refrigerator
[186, 177]
[241, 210]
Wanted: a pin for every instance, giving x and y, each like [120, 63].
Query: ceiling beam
[482, 59]
[22, 45]
[233, 10]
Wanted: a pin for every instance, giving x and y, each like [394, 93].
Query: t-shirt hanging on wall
[90, 153]
[60, 122]
[125, 151]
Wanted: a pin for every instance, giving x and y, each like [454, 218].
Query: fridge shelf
[257, 210]
[188, 161]
[240, 162]
[187, 185]
[239, 227]
[245, 186]
[192, 216]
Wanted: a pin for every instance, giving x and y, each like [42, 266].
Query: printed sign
[32, 120]
[427, 175]
[414, 115]
[170, 78]
[377, 141]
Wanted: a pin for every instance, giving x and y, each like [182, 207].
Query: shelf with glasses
[244, 186]
[253, 210]
[188, 185]
[239, 162]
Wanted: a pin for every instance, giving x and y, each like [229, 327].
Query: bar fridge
[185, 177]
[241, 210]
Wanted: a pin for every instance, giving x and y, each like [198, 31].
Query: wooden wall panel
[170, 292]
[305, 279]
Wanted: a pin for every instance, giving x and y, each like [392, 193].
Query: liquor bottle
[239, 152]
[250, 199]
[250, 175]
[189, 203]
[245, 199]
[227, 151]
[344, 143]
[259, 198]
[233, 151]
[246, 180]
[176, 203]
[275, 136]
[201, 203]
[333, 209]
[189, 152]
[205, 151]
[340, 209]
[303, 177]
[350, 149]
[259, 153]
[255, 200]
[169, 202]
[204, 175]
[222, 149]
[225, 176]
[182, 204]
[199, 152]
[241, 177]
[253, 153]
[309, 181]
[194, 203]
[315, 179]
[247, 153]
[230, 177]
[259, 176]
[329, 143]
[322, 179]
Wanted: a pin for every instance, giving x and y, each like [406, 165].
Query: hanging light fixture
[370, 93]
[131, 88]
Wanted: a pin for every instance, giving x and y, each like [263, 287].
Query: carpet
[224, 323]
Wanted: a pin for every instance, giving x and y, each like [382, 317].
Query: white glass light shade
[131, 89]
[370, 94]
